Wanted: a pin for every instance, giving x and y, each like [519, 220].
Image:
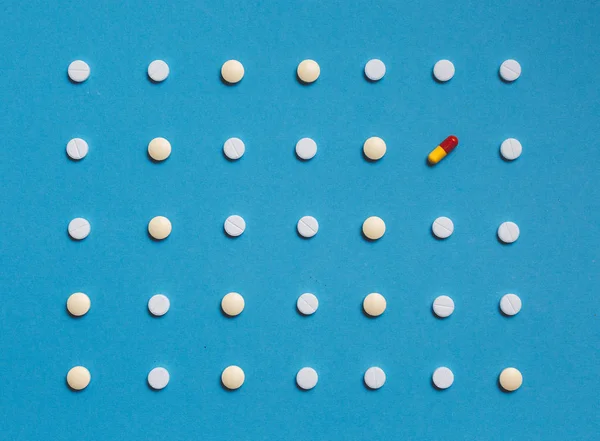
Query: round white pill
[508, 232]
[510, 304]
[158, 71]
[307, 303]
[308, 71]
[159, 227]
[510, 379]
[233, 377]
[374, 377]
[510, 70]
[443, 70]
[78, 378]
[511, 149]
[306, 148]
[78, 71]
[443, 378]
[374, 304]
[79, 228]
[159, 149]
[307, 226]
[232, 71]
[307, 378]
[442, 227]
[232, 304]
[234, 148]
[443, 306]
[78, 304]
[158, 305]
[374, 69]
[374, 148]
[77, 149]
[235, 225]
[373, 228]
[158, 378]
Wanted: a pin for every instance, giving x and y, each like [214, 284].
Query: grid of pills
[373, 228]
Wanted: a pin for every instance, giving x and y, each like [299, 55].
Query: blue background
[551, 192]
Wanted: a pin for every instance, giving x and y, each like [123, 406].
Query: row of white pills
[308, 71]
[374, 148]
[373, 228]
[233, 303]
[233, 377]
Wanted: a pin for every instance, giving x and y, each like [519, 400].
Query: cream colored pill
[232, 71]
[233, 377]
[373, 228]
[159, 227]
[308, 71]
[232, 304]
[510, 379]
[374, 304]
[78, 378]
[78, 304]
[159, 149]
[374, 148]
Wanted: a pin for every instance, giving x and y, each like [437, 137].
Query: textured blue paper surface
[551, 192]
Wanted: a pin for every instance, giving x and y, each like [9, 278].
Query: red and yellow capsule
[440, 152]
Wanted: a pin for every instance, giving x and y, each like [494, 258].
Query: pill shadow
[365, 238]
[438, 81]
[154, 161]
[369, 80]
[369, 160]
[503, 80]
[76, 83]
[73, 239]
[227, 83]
[434, 386]
[231, 159]
[76, 317]
[304, 83]
[156, 240]
[504, 391]
[74, 390]
[438, 317]
[439, 239]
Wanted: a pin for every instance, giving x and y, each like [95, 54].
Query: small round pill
[158, 71]
[306, 149]
[232, 71]
[374, 377]
[511, 149]
[159, 305]
[443, 306]
[78, 378]
[307, 226]
[511, 379]
[77, 149]
[158, 378]
[307, 378]
[374, 304]
[159, 149]
[510, 304]
[234, 148]
[443, 70]
[159, 227]
[78, 304]
[374, 148]
[307, 303]
[373, 228]
[375, 69]
[78, 71]
[510, 70]
[508, 232]
[233, 377]
[79, 228]
[442, 378]
[308, 71]
[235, 225]
[232, 304]
[442, 227]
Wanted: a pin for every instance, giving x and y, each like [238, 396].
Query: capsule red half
[445, 147]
